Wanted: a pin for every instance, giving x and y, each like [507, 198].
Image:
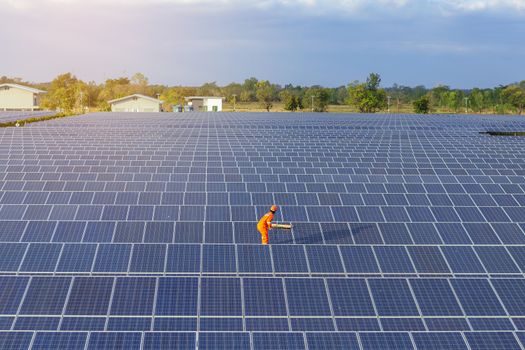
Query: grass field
[279, 107]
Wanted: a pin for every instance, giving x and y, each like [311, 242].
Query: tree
[477, 100]
[514, 96]
[176, 96]
[367, 97]
[113, 89]
[320, 98]
[422, 105]
[437, 96]
[266, 94]
[249, 88]
[291, 101]
[140, 82]
[454, 99]
[209, 89]
[232, 89]
[63, 94]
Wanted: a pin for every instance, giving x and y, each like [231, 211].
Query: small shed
[136, 103]
[205, 103]
[15, 97]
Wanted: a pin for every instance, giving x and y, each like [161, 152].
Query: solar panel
[224, 341]
[113, 340]
[307, 297]
[392, 297]
[133, 296]
[59, 340]
[45, 296]
[120, 232]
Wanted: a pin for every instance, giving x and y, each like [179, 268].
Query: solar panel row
[231, 296]
[152, 340]
[164, 230]
[450, 260]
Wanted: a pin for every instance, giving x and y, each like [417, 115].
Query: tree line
[69, 94]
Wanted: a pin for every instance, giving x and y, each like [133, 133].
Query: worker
[265, 224]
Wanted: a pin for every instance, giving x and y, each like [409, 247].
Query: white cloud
[319, 7]
[483, 5]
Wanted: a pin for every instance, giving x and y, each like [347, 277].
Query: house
[14, 97]
[205, 103]
[136, 103]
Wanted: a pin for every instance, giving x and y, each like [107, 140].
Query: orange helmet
[274, 208]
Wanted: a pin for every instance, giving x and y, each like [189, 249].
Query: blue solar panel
[59, 341]
[289, 259]
[324, 259]
[220, 297]
[477, 297]
[491, 324]
[392, 297]
[377, 341]
[332, 341]
[133, 296]
[76, 258]
[15, 340]
[41, 257]
[435, 297]
[393, 259]
[277, 341]
[112, 258]
[129, 324]
[492, 340]
[462, 259]
[11, 293]
[169, 340]
[436, 341]
[264, 297]
[307, 297]
[112, 340]
[37, 323]
[177, 297]
[350, 297]
[496, 260]
[45, 296]
[359, 259]
[428, 259]
[218, 258]
[148, 258]
[113, 227]
[83, 324]
[224, 341]
[511, 293]
[89, 296]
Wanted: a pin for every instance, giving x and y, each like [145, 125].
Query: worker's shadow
[331, 236]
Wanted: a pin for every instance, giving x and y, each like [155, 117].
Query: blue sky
[462, 43]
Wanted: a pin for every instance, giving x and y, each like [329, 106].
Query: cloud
[312, 7]
[483, 5]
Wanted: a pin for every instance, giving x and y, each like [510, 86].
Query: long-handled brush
[282, 226]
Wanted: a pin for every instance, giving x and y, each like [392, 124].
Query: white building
[14, 97]
[136, 103]
[205, 103]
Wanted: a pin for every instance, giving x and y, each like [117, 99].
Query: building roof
[23, 87]
[202, 97]
[135, 95]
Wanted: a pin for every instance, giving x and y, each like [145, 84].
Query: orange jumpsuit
[264, 225]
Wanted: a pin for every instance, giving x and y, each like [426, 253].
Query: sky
[460, 43]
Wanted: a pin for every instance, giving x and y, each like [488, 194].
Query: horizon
[462, 44]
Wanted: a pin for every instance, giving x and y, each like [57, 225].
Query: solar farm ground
[137, 231]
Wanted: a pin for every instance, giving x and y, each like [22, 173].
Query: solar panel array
[13, 116]
[137, 231]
